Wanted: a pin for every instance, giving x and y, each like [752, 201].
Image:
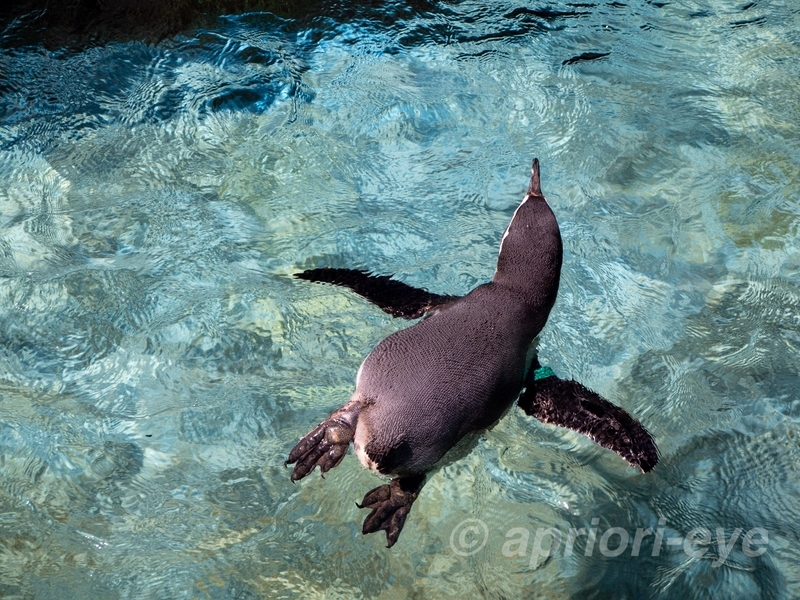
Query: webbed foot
[326, 444]
[390, 506]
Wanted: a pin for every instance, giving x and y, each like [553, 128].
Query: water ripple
[158, 359]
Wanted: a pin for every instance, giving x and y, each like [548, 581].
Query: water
[158, 361]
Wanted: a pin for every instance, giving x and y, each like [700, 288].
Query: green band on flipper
[543, 373]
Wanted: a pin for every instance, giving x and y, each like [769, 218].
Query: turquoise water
[158, 361]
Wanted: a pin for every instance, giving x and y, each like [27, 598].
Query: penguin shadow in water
[456, 371]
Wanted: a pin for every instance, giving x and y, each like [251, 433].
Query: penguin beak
[535, 188]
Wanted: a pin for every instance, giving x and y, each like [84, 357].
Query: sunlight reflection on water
[158, 361]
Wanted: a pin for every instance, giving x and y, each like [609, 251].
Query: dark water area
[158, 360]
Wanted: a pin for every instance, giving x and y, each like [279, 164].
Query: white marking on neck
[508, 229]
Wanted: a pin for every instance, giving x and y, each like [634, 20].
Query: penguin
[455, 372]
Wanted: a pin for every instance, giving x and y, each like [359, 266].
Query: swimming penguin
[455, 372]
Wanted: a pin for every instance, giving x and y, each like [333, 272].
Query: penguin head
[529, 261]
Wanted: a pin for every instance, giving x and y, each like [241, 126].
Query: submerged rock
[81, 22]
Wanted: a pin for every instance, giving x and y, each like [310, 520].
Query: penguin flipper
[391, 296]
[569, 404]
[390, 504]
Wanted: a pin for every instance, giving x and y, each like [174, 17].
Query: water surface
[158, 361]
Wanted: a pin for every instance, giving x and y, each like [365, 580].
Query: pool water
[158, 360]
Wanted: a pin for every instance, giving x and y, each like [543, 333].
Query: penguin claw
[390, 504]
[376, 497]
[324, 446]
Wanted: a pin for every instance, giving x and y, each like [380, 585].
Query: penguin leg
[327, 443]
[390, 505]
[391, 296]
[569, 404]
